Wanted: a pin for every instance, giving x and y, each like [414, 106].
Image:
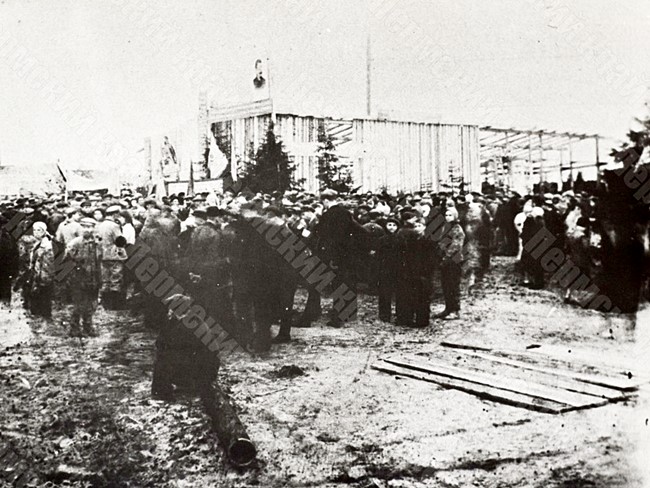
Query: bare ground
[78, 412]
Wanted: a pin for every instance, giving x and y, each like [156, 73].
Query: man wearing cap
[113, 291]
[69, 228]
[85, 252]
[66, 231]
[554, 220]
[193, 221]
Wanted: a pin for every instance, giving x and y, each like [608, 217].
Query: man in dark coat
[208, 266]
[554, 222]
[504, 220]
[532, 226]
[160, 235]
[57, 217]
[387, 257]
[341, 243]
[181, 357]
[239, 235]
[369, 265]
[415, 261]
[309, 235]
[9, 261]
[276, 286]
[184, 238]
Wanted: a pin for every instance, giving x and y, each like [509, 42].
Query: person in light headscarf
[41, 273]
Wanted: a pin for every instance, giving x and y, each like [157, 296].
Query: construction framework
[522, 158]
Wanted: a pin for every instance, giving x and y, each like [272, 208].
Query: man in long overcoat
[84, 254]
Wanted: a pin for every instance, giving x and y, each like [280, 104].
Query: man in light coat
[113, 290]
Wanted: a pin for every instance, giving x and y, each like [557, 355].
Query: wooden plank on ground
[558, 353]
[567, 380]
[615, 381]
[481, 391]
[572, 354]
[573, 399]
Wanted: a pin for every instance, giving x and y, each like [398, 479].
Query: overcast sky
[578, 65]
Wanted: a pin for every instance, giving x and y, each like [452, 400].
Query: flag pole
[368, 60]
[190, 185]
[368, 74]
[270, 75]
[65, 180]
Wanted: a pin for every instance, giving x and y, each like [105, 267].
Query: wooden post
[234, 170]
[561, 167]
[368, 75]
[570, 164]
[270, 84]
[148, 158]
[597, 160]
[541, 162]
[501, 171]
[530, 162]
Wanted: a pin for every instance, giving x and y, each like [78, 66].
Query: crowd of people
[73, 251]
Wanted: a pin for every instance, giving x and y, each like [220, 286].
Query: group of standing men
[75, 251]
[69, 258]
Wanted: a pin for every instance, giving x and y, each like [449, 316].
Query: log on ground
[231, 432]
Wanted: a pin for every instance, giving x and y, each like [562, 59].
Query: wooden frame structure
[505, 152]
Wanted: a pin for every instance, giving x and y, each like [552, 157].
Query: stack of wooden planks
[545, 379]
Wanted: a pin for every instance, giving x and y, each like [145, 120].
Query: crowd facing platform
[74, 249]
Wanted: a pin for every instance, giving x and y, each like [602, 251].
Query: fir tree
[630, 152]
[332, 173]
[270, 168]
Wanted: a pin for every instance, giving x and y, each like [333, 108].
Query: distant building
[46, 178]
[26, 179]
[385, 154]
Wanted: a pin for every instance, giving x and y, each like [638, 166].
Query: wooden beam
[530, 163]
[562, 379]
[241, 111]
[576, 400]
[545, 132]
[501, 170]
[483, 392]
[617, 381]
[589, 358]
[570, 164]
[541, 161]
[597, 161]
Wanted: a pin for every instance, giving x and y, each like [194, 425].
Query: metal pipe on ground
[231, 432]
